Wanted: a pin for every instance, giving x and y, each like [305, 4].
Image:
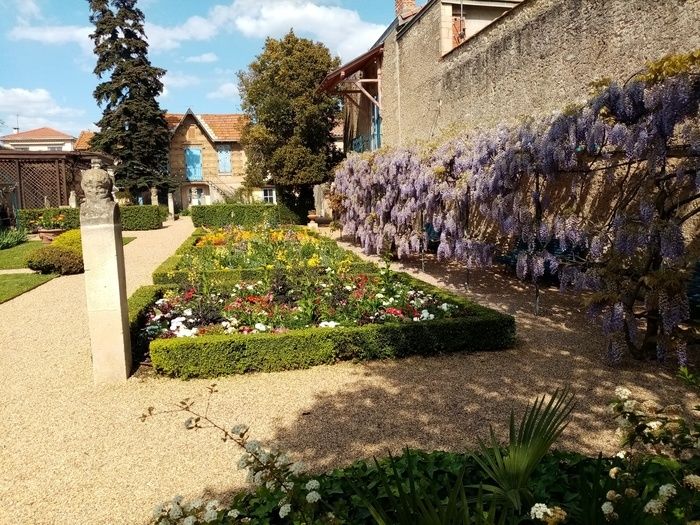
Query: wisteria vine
[606, 194]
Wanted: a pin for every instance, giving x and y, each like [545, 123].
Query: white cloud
[27, 10]
[341, 29]
[175, 79]
[37, 108]
[226, 90]
[54, 35]
[204, 58]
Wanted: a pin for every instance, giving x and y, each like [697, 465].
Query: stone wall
[534, 60]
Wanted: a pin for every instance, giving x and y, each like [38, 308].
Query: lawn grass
[16, 257]
[12, 285]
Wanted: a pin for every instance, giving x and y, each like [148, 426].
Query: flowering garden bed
[233, 254]
[312, 307]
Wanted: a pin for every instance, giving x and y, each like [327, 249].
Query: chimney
[404, 7]
[15, 130]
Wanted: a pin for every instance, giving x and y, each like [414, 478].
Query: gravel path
[71, 453]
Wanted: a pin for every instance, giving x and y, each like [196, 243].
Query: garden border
[216, 355]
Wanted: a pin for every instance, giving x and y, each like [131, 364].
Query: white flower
[348, 288]
[622, 393]
[213, 504]
[233, 513]
[614, 472]
[285, 510]
[239, 430]
[313, 496]
[539, 511]
[313, 485]
[196, 504]
[654, 507]
[261, 327]
[612, 496]
[328, 324]
[607, 508]
[445, 306]
[297, 468]
[630, 405]
[175, 511]
[379, 296]
[210, 515]
[692, 481]
[187, 312]
[622, 454]
[666, 492]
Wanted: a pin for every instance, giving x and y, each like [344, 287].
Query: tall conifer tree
[133, 127]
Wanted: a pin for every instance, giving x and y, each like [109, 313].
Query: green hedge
[141, 218]
[216, 355]
[211, 356]
[246, 215]
[26, 216]
[133, 217]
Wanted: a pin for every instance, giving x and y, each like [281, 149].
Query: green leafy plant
[55, 259]
[12, 237]
[511, 468]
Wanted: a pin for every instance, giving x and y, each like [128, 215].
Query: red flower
[394, 311]
[189, 294]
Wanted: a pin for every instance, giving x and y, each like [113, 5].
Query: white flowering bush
[661, 430]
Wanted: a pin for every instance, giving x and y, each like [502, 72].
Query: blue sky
[46, 60]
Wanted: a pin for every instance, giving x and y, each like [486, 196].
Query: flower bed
[228, 256]
[312, 317]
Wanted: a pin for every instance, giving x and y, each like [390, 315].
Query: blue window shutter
[193, 163]
[224, 151]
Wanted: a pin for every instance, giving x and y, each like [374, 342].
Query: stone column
[171, 205]
[72, 199]
[154, 196]
[105, 279]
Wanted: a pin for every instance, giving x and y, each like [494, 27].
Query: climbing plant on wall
[600, 193]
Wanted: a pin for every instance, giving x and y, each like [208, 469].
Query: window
[269, 196]
[55, 148]
[224, 152]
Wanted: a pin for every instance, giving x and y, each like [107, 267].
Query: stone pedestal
[72, 199]
[105, 279]
[154, 196]
[171, 205]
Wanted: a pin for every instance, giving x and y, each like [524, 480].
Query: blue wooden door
[193, 163]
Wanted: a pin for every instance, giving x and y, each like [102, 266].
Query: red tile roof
[83, 142]
[222, 127]
[37, 134]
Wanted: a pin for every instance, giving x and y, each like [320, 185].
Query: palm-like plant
[511, 469]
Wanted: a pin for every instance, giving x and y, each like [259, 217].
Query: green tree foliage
[133, 127]
[289, 139]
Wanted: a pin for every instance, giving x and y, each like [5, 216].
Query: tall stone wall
[534, 60]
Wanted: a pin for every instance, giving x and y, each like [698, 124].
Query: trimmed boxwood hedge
[133, 217]
[26, 216]
[217, 355]
[246, 215]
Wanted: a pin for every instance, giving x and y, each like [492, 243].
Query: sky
[46, 58]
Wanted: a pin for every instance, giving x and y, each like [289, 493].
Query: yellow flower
[313, 262]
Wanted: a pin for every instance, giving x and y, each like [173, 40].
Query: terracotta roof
[83, 142]
[222, 127]
[335, 77]
[37, 134]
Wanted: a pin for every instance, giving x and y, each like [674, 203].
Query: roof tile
[37, 134]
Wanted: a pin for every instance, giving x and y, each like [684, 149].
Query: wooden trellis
[39, 179]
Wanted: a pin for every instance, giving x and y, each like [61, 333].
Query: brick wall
[534, 60]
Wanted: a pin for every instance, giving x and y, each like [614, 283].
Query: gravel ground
[71, 453]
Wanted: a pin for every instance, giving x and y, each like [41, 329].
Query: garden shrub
[216, 355]
[26, 217]
[133, 217]
[141, 218]
[12, 237]
[56, 259]
[246, 215]
[70, 240]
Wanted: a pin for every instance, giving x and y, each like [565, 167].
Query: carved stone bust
[99, 206]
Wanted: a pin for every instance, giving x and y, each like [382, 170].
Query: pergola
[35, 179]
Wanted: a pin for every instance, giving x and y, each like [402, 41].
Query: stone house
[461, 64]
[206, 158]
[40, 139]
